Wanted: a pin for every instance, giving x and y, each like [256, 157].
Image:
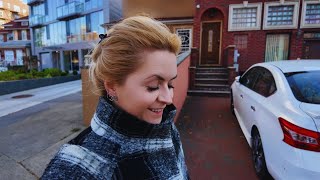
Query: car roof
[294, 65]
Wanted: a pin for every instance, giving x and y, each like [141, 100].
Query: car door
[244, 89]
[256, 108]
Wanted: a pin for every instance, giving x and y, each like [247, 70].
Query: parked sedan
[277, 105]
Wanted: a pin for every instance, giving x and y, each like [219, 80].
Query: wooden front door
[210, 43]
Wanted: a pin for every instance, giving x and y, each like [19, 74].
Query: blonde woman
[132, 134]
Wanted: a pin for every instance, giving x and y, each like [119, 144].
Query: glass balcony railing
[30, 2]
[36, 20]
[69, 10]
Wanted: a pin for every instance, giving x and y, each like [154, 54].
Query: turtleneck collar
[129, 125]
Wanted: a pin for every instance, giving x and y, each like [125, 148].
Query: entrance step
[210, 81]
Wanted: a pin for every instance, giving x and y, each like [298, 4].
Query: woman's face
[148, 90]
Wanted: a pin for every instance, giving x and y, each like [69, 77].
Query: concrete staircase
[211, 81]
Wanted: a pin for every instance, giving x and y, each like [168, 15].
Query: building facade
[15, 43]
[64, 31]
[255, 31]
[177, 15]
[12, 9]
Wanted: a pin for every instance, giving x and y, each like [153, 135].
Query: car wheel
[231, 103]
[258, 157]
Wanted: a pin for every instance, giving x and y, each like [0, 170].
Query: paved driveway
[214, 145]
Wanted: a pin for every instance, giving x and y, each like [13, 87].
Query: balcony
[36, 21]
[32, 2]
[69, 10]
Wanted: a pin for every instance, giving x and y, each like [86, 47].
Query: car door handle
[253, 108]
[241, 95]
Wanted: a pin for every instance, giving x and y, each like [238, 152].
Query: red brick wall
[255, 51]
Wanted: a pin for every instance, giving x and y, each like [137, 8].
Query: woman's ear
[109, 87]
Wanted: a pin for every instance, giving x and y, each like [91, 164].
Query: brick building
[177, 15]
[12, 9]
[260, 30]
[15, 43]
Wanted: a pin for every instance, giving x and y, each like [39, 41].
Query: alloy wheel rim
[257, 153]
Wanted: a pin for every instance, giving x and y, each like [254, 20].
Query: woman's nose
[166, 96]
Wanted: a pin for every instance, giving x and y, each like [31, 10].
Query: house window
[10, 36]
[281, 15]
[24, 35]
[244, 17]
[16, 8]
[185, 35]
[1, 38]
[310, 14]
[24, 23]
[277, 47]
[241, 41]
[8, 56]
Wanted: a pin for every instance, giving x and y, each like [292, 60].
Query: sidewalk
[30, 137]
[9, 105]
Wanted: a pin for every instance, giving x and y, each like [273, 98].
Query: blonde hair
[120, 54]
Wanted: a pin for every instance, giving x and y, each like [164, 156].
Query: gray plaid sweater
[120, 146]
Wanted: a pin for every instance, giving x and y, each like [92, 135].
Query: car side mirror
[237, 79]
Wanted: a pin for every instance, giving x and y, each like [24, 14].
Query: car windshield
[305, 86]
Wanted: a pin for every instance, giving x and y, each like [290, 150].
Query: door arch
[211, 34]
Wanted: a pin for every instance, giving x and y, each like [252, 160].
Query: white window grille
[243, 17]
[281, 15]
[277, 47]
[8, 56]
[186, 37]
[310, 17]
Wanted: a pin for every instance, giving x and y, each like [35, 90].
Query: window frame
[249, 5]
[275, 3]
[263, 72]
[247, 73]
[176, 29]
[303, 14]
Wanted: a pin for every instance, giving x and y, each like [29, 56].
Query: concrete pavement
[9, 105]
[30, 137]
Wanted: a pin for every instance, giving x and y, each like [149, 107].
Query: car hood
[313, 110]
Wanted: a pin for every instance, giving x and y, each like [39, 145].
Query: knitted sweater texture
[117, 145]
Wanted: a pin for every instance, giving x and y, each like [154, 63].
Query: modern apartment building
[64, 31]
[12, 9]
[15, 43]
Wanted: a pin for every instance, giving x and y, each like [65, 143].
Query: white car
[277, 105]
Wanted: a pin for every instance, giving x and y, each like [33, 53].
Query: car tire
[231, 103]
[258, 157]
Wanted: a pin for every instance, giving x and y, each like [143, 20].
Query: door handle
[241, 95]
[253, 108]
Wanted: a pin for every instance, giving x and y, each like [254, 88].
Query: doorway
[210, 43]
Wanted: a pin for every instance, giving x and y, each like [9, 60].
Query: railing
[30, 2]
[69, 10]
[36, 20]
[90, 36]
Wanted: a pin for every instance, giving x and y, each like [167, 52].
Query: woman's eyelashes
[155, 88]
[151, 89]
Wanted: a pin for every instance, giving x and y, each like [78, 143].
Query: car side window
[265, 84]
[249, 78]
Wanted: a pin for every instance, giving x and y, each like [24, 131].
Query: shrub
[52, 72]
[75, 72]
